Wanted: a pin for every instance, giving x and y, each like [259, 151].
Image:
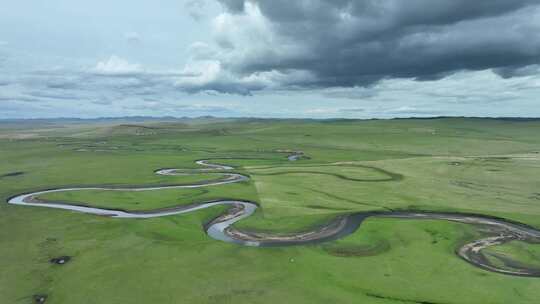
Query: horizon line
[263, 118]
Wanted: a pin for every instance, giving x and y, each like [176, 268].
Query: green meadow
[481, 166]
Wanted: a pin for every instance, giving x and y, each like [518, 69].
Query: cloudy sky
[269, 58]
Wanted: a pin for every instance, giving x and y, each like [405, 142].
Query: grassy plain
[470, 165]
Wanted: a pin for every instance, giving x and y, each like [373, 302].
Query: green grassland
[482, 166]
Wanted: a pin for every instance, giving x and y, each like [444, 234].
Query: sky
[262, 58]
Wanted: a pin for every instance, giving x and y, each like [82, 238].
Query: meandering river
[222, 228]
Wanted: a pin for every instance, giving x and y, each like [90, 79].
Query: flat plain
[475, 166]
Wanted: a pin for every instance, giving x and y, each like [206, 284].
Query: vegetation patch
[12, 174]
[349, 250]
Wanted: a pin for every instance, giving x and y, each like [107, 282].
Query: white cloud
[116, 66]
[327, 111]
[201, 51]
[209, 76]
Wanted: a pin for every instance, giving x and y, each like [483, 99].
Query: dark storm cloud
[235, 6]
[393, 12]
[346, 43]
[509, 72]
